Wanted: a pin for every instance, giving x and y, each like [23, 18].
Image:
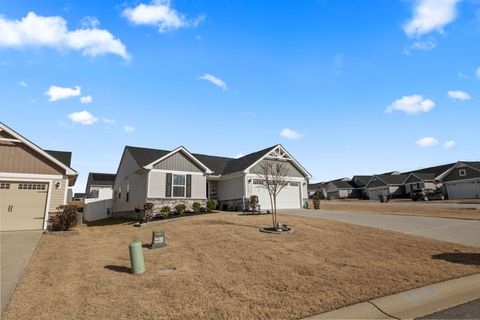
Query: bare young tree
[273, 174]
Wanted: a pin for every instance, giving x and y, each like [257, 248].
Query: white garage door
[22, 205]
[288, 198]
[464, 190]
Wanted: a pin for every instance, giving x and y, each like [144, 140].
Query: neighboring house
[78, 196]
[462, 181]
[33, 182]
[361, 182]
[99, 185]
[319, 188]
[425, 178]
[342, 189]
[170, 177]
[390, 185]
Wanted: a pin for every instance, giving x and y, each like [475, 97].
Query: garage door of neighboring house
[464, 190]
[288, 198]
[374, 194]
[22, 205]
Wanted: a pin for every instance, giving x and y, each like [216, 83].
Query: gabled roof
[144, 156]
[64, 157]
[427, 176]
[364, 180]
[392, 179]
[101, 179]
[318, 185]
[343, 184]
[244, 162]
[473, 164]
[437, 170]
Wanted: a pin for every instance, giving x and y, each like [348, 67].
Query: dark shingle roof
[101, 179]
[342, 184]
[316, 186]
[473, 164]
[364, 180]
[392, 179]
[64, 157]
[437, 170]
[219, 165]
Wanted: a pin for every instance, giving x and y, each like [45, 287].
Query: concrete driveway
[16, 248]
[466, 232]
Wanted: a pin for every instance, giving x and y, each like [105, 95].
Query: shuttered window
[179, 185]
[168, 186]
[188, 192]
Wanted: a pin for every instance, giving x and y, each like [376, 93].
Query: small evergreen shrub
[316, 201]
[165, 211]
[232, 207]
[64, 219]
[211, 205]
[253, 203]
[180, 208]
[196, 207]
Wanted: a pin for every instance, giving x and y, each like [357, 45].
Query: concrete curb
[413, 303]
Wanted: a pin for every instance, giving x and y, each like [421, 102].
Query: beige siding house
[33, 182]
[170, 177]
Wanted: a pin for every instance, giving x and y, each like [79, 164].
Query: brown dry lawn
[227, 269]
[402, 208]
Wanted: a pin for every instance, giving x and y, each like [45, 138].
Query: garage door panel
[464, 190]
[288, 198]
[22, 205]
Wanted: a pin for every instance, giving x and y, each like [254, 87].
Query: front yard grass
[226, 269]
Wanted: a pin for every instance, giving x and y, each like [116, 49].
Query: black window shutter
[168, 186]
[188, 193]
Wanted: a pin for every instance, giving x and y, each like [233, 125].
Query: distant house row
[460, 180]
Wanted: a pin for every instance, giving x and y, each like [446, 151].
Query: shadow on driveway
[459, 257]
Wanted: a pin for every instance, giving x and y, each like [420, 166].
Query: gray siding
[292, 170]
[157, 185]
[230, 189]
[375, 182]
[412, 179]
[178, 162]
[455, 175]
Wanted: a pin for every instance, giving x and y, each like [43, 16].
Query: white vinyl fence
[97, 209]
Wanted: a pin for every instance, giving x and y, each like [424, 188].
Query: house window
[257, 181]
[127, 196]
[120, 193]
[4, 185]
[178, 185]
[31, 186]
[294, 184]
[462, 173]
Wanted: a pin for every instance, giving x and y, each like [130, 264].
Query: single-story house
[169, 177]
[100, 185]
[462, 181]
[33, 182]
[361, 182]
[319, 189]
[425, 178]
[342, 189]
[390, 185]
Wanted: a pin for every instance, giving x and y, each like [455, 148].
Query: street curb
[413, 303]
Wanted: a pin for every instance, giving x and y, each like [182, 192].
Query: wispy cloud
[477, 73]
[411, 105]
[214, 80]
[83, 118]
[109, 121]
[291, 134]
[52, 31]
[128, 129]
[89, 22]
[459, 95]
[421, 45]
[160, 14]
[56, 93]
[22, 83]
[427, 142]
[86, 99]
[450, 144]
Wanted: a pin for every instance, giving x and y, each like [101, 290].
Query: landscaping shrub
[196, 207]
[64, 219]
[148, 207]
[180, 208]
[232, 207]
[316, 201]
[165, 211]
[211, 205]
[253, 203]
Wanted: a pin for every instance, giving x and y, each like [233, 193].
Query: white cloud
[450, 144]
[421, 45]
[290, 134]
[58, 93]
[411, 104]
[86, 99]
[39, 31]
[216, 81]
[83, 117]
[22, 83]
[431, 15]
[128, 129]
[90, 22]
[427, 142]
[160, 14]
[459, 95]
[109, 121]
[477, 73]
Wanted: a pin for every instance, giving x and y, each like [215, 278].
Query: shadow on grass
[118, 268]
[459, 257]
[229, 223]
[110, 222]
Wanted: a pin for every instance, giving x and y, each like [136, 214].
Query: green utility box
[158, 239]
[136, 257]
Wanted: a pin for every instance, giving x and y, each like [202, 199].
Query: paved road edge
[412, 303]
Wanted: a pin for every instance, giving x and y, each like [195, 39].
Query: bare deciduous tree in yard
[274, 176]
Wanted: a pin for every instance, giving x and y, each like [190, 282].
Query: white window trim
[462, 172]
[178, 185]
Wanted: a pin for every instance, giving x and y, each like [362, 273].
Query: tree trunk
[273, 215]
[275, 209]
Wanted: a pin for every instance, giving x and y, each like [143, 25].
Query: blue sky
[348, 87]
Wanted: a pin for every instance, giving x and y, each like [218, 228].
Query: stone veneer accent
[159, 203]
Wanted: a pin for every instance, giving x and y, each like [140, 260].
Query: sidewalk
[413, 303]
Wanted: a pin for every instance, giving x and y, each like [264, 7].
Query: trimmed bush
[180, 208]
[148, 209]
[165, 211]
[253, 202]
[64, 219]
[196, 207]
[211, 205]
[316, 201]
